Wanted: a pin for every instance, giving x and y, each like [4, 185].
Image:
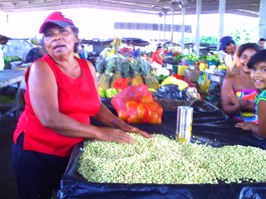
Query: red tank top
[154, 57]
[77, 98]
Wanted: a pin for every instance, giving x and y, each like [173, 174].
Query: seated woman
[238, 90]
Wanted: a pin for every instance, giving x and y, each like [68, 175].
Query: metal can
[184, 119]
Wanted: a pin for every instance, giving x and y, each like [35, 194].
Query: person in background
[262, 43]
[227, 49]
[83, 54]
[61, 96]
[166, 51]
[136, 53]
[157, 56]
[257, 64]
[171, 52]
[238, 91]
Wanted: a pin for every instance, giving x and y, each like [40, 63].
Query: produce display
[112, 66]
[116, 71]
[161, 160]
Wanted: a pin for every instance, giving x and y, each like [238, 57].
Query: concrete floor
[8, 187]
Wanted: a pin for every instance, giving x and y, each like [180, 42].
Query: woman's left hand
[128, 128]
[141, 132]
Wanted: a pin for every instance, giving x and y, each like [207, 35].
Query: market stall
[210, 126]
[11, 78]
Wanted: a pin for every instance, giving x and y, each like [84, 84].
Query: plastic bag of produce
[173, 80]
[204, 83]
[135, 104]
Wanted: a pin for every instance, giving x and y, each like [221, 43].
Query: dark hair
[230, 42]
[262, 39]
[246, 46]
[257, 58]
[159, 47]
[76, 33]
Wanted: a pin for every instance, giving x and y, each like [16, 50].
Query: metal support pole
[172, 28]
[159, 27]
[198, 12]
[183, 28]
[262, 21]
[164, 27]
[222, 4]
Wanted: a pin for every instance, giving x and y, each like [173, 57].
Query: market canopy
[241, 7]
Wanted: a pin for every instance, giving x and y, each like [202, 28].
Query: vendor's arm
[230, 102]
[44, 100]
[258, 129]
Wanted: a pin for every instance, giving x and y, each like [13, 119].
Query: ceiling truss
[156, 7]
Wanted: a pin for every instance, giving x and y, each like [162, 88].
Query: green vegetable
[110, 92]
[161, 160]
[102, 92]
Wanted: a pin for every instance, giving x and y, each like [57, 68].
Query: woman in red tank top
[60, 97]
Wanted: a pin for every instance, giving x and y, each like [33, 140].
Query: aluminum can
[184, 120]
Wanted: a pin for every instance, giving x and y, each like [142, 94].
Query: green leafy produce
[191, 57]
[111, 92]
[179, 57]
[161, 160]
[8, 59]
[202, 57]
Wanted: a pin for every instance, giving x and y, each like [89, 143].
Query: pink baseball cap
[56, 18]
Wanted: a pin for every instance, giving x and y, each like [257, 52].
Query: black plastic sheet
[253, 193]
[210, 126]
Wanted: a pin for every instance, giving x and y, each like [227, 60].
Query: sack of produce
[135, 104]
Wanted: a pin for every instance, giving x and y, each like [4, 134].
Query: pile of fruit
[116, 71]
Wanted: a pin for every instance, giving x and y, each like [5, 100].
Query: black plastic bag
[171, 91]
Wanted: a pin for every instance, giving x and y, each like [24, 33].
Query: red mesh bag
[135, 104]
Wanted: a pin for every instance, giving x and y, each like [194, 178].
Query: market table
[11, 78]
[210, 126]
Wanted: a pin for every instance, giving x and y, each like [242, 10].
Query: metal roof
[156, 7]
